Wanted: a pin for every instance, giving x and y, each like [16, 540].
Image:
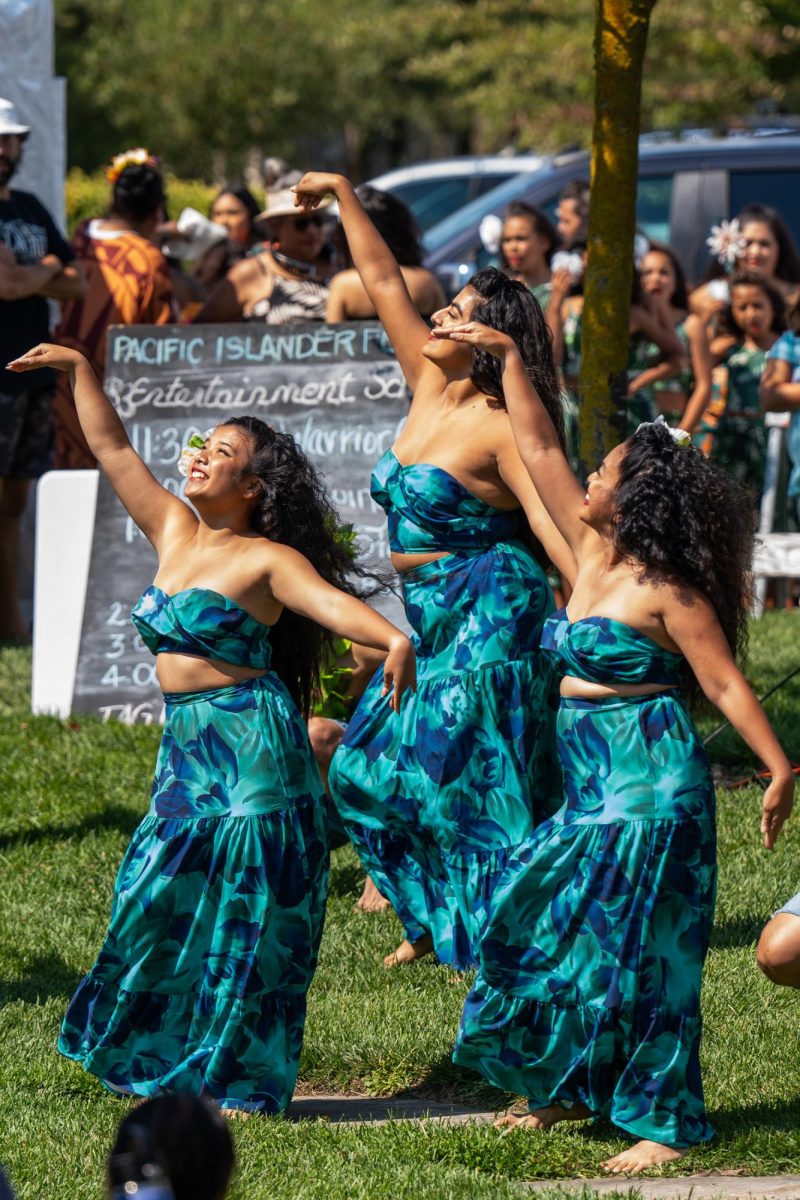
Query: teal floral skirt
[438, 798]
[590, 973]
[218, 910]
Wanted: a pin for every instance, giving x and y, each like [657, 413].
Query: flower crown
[196, 442]
[726, 243]
[130, 158]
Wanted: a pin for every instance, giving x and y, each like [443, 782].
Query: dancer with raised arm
[438, 798]
[201, 982]
[588, 995]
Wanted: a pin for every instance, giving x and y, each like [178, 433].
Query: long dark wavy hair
[680, 296]
[688, 524]
[508, 306]
[293, 508]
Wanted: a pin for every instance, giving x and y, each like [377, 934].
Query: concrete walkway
[690, 1187]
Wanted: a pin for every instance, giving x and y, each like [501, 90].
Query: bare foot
[543, 1118]
[371, 899]
[641, 1156]
[236, 1114]
[408, 952]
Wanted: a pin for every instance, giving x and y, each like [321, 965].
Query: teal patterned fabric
[642, 355]
[203, 622]
[672, 394]
[740, 442]
[438, 798]
[590, 968]
[428, 509]
[218, 909]
[602, 650]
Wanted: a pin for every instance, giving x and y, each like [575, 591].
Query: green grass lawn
[70, 795]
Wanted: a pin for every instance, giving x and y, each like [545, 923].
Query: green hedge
[88, 195]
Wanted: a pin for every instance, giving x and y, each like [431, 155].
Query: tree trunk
[620, 39]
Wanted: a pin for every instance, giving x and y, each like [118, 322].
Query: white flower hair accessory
[679, 436]
[726, 243]
[491, 232]
[568, 260]
[195, 443]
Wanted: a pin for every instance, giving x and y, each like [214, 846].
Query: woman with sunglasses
[287, 280]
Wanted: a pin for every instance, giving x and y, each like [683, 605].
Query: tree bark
[620, 39]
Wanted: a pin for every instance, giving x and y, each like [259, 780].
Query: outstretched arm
[777, 392]
[294, 582]
[696, 631]
[151, 506]
[536, 438]
[375, 263]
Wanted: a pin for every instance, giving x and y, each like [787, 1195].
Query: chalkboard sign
[336, 388]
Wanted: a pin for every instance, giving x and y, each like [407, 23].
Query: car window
[431, 200]
[653, 202]
[777, 189]
[485, 183]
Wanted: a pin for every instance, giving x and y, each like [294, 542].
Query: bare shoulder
[680, 605]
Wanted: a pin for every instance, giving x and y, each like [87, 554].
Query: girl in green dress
[587, 997]
[527, 245]
[749, 326]
[200, 984]
[664, 284]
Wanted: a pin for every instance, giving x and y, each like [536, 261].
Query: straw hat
[280, 203]
[9, 121]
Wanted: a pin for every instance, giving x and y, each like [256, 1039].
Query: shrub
[88, 195]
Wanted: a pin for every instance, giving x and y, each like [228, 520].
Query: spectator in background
[348, 300]
[237, 210]
[128, 284]
[527, 245]
[288, 279]
[664, 284]
[763, 244]
[780, 392]
[179, 1144]
[35, 264]
[572, 214]
[749, 326]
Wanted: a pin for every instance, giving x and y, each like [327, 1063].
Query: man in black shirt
[34, 266]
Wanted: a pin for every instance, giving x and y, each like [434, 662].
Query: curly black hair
[687, 523]
[185, 1135]
[293, 508]
[138, 193]
[507, 305]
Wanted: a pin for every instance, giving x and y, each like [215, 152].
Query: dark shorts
[26, 433]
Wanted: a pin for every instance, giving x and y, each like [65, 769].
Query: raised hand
[314, 187]
[399, 670]
[61, 358]
[481, 336]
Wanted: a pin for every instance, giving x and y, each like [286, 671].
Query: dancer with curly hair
[201, 982]
[438, 798]
[588, 995]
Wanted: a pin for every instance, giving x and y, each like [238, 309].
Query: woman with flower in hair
[588, 994]
[201, 983]
[127, 279]
[437, 798]
[756, 240]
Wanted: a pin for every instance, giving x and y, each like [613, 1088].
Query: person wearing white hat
[288, 279]
[35, 264]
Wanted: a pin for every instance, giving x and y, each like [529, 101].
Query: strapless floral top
[202, 622]
[602, 650]
[428, 509]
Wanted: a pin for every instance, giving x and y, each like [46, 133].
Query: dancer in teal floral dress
[587, 998]
[201, 982]
[438, 798]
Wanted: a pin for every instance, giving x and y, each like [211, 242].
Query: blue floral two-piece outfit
[219, 903]
[438, 798]
[590, 970]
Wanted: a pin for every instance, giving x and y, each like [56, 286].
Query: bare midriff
[573, 688]
[408, 562]
[190, 673]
